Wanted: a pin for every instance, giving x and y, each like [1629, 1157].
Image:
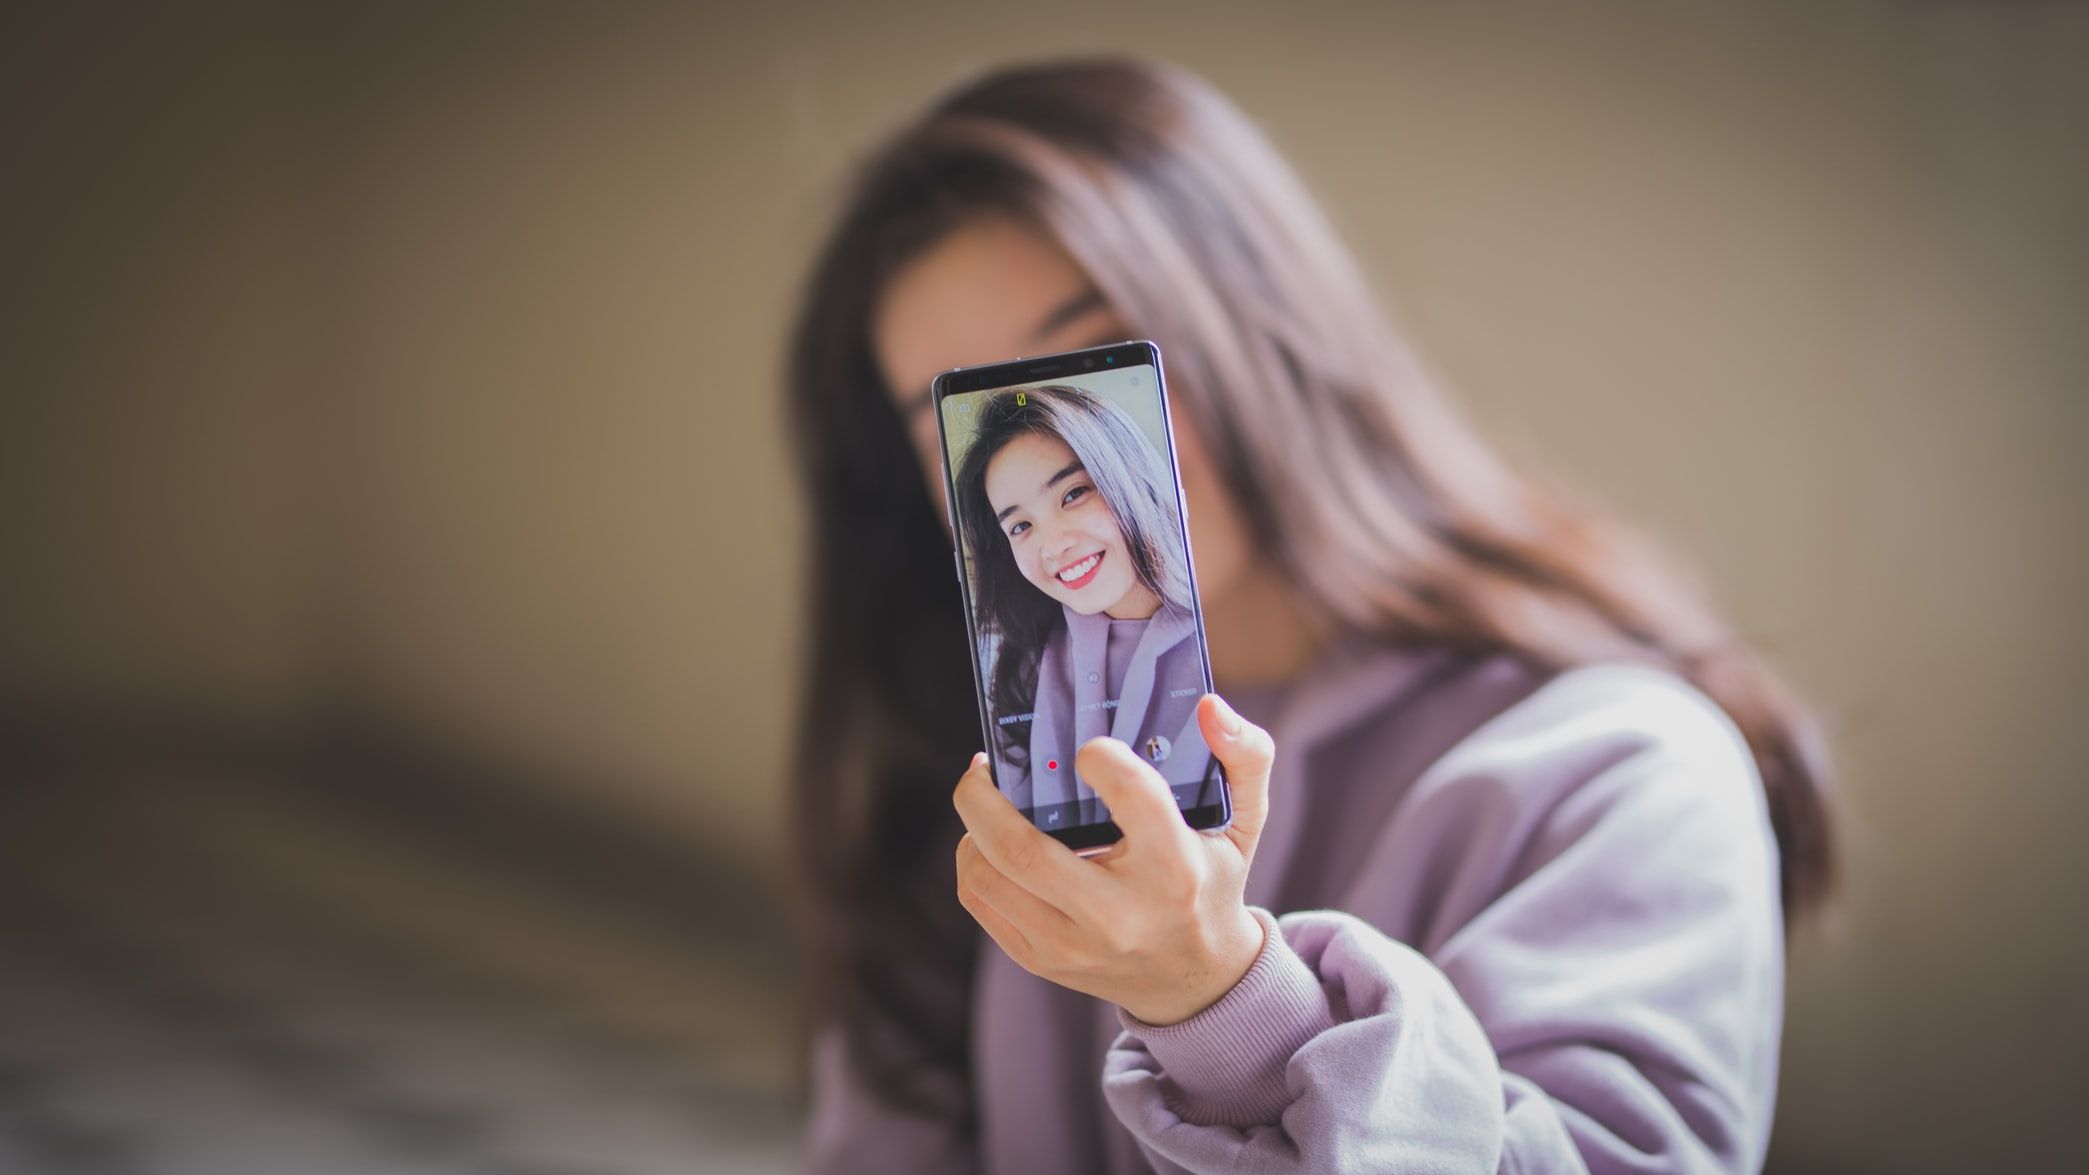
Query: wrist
[1233, 955]
[1228, 1065]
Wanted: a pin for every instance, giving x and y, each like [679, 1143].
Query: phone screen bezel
[1031, 369]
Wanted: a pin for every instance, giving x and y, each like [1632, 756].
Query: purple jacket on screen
[1076, 701]
[1527, 923]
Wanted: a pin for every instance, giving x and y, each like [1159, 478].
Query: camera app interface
[1074, 552]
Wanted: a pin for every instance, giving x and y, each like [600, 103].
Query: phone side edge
[938, 389]
[1224, 818]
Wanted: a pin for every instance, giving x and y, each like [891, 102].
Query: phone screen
[1066, 506]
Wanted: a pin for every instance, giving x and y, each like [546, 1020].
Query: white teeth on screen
[1069, 574]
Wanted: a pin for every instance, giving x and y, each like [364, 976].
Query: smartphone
[1073, 553]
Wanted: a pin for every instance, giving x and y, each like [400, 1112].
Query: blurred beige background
[415, 373]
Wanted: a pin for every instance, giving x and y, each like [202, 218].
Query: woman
[1534, 819]
[1082, 584]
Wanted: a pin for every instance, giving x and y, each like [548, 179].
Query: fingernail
[978, 760]
[1228, 720]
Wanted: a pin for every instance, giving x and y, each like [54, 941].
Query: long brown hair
[1384, 511]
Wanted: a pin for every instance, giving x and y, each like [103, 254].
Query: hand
[1157, 925]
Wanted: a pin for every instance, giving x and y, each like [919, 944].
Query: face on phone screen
[1076, 566]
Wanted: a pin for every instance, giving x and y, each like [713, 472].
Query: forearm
[1345, 1050]
[1341, 1050]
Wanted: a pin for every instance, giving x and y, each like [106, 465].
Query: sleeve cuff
[1226, 1064]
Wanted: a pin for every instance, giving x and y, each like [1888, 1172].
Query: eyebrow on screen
[1074, 307]
[1071, 469]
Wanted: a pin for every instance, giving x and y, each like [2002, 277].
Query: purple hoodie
[1527, 924]
[1157, 695]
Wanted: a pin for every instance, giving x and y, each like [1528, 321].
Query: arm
[1605, 996]
[1340, 1050]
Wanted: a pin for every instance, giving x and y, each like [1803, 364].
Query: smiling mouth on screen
[1076, 576]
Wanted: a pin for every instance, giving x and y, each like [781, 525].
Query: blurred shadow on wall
[252, 916]
[223, 951]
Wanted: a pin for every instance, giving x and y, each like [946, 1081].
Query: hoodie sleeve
[1602, 983]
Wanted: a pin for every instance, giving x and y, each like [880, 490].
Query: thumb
[1246, 751]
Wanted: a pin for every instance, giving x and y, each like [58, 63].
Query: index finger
[1139, 799]
[1012, 844]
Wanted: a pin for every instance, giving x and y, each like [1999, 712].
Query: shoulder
[1606, 711]
[1608, 791]
[1504, 708]
[1604, 736]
